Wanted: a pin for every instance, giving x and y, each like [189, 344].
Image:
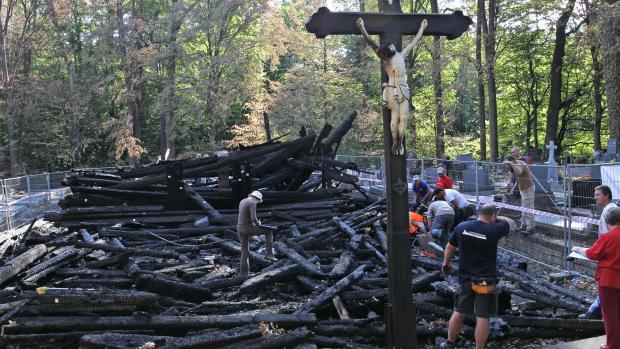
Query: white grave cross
[552, 172]
[552, 147]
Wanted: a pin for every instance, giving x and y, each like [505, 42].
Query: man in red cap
[443, 181]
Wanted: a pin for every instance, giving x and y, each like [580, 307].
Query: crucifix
[391, 24]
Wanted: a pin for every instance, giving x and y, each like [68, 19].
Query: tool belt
[483, 285]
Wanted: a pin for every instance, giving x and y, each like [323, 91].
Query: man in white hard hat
[248, 225]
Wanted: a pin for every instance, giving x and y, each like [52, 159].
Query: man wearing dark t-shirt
[477, 244]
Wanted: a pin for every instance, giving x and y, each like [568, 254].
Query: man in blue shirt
[477, 244]
[421, 193]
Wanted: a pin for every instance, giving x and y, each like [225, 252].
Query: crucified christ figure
[396, 93]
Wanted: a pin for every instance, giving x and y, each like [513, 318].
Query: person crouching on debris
[441, 218]
[248, 225]
[477, 244]
[421, 193]
[606, 250]
[462, 208]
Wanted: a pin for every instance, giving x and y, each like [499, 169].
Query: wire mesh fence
[28, 197]
[556, 204]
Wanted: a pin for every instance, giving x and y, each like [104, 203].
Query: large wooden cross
[391, 24]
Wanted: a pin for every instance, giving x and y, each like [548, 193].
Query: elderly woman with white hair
[248, 225]
[606, 250]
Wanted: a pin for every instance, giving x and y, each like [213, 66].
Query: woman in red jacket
[606, 250]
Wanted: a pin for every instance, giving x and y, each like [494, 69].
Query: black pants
[461, 214]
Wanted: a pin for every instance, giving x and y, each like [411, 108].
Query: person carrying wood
[248, 224]
[477, 243]
[527, 190]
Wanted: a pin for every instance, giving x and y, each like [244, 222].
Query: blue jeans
[595, 308]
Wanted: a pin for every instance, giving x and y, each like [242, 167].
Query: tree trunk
[480, 74]
[610, 49]
[489, 29]
[555, 94]
[166, 121]
[596, 79]
[440, 147]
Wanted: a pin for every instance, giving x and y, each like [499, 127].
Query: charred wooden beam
[43, 324]
[13, 266]
[334, 290]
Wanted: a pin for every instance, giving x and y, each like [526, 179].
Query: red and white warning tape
[488, 200]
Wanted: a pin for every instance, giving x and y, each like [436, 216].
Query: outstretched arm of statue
[360, 25]
[416, 39]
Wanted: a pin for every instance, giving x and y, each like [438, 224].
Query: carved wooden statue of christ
[396, 93]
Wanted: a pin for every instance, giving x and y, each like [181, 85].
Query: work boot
[446, 344]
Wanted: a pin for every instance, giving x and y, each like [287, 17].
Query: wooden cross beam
[325, 22]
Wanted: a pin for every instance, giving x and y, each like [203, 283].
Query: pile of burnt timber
[125, 265]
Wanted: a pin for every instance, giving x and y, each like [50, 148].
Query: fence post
[422, 176]
[7, 207]
[29, 197]
[569, 186]
[477, 188]
[566, 202]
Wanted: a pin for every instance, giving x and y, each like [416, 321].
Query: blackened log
[376, 252]
[273, 160]
[161, 285]
[311, 184]
[62, 255]
[424, 281]
[286, 340]
[297, 258]
[298, 248]
[364, 295]
[347, 257]
[80, 271]
[274, 179]
[110, 248]
[43, 324]
[310, 285]
[316, 147]
[215, 307]
[118, 192]
[344, 227]
[105, 283]
[213, 338]
[541, 298]
[527, 280]
[233, 158]
[121, 341]
[349, 330]
[337, 176]
[268, 278]
[370, 221]
[81, 211]
[331, 342]
[120, 258]
[543, 322]
[214, 216]
[287, 217]
[185, 232]
[159, 220]
[162, 166]
[235, 248]
[14, 266]
[336, 135]
[226, 282]
[334, 290]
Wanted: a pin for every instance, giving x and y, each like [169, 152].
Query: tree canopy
[102, 82]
